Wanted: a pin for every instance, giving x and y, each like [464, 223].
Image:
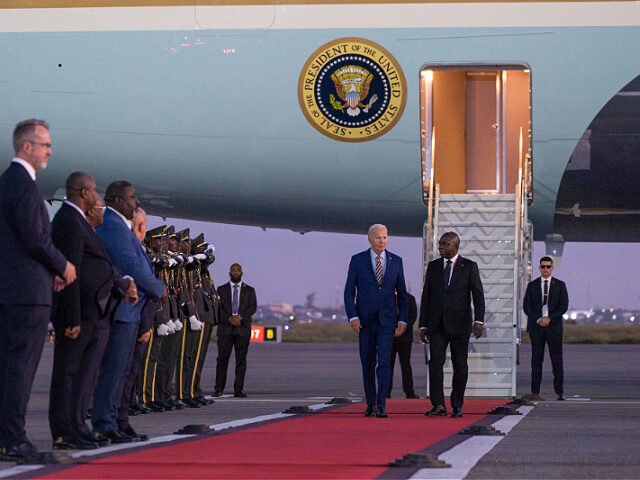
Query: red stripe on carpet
[337, 444]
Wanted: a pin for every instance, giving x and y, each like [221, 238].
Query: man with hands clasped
[545, 301]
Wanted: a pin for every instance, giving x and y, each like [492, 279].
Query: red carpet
[339, 443]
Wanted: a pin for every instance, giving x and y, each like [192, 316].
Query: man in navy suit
[129, 256]
[545, 301]
[375, 299]
[446, 319]
[30, 267]
[81, 313]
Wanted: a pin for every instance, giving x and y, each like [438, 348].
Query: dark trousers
[403, 349]
[86, 381]
[114, 367]
[129, 387]
[166, 366]
[375, 347]
[75, 367]
[205, 336]
[147, 376]
[438, 342]
[186, 367]
[22, 331]
[553, 338]
[225, 344]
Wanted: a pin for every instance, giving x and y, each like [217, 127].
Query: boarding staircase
[496, 234]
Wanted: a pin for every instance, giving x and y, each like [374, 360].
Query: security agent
[545, 301]
[237, 305]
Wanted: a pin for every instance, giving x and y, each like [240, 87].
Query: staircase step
[474, 224]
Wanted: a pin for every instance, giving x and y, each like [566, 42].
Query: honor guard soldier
[193, 326]
[156, 243]
[170, 348]
[206, 303]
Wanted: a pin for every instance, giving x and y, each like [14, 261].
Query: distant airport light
[574, 316]
[287, 327]
[633, 319]
[611, 309]
[565, 316]
[333, 317]
[291, 317]
[614, 316]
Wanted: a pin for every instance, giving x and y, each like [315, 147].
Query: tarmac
[594, 434]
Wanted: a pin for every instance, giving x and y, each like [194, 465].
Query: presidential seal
[352, 89]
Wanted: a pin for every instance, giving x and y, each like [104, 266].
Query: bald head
[81, 191]
[140, 224]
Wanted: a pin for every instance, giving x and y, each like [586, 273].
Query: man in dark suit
[445, 319]
[129, 256]
[545, 301]
[375, 299]
[402, 347]
[80, 316]
[30, 266]
[237, 305]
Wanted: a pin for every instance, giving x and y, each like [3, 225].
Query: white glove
[172, 326]
[195, 323]
[200, 256]
[172, 262]
[189, 259]
[178, 325]
[163, 330]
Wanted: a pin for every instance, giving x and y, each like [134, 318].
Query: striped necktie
[378, 270]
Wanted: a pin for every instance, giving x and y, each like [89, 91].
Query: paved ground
[580, 438]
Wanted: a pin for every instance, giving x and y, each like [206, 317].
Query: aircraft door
[482, 132]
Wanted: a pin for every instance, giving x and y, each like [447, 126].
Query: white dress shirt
[545, 308]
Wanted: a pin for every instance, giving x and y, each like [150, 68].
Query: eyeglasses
[45, 145]
[546, 267]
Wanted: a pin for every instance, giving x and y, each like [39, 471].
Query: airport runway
[592, 435]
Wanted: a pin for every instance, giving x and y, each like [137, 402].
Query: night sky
[286, 266]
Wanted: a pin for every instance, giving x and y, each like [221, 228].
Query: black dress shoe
[24, 450]
[155, 407]
[178, 404]
[388, 395]
[437, 411]
[114, 436]
[191, 403]
[204, 401]
[167, 406]
[217, 393]
[370, 411]
[381, 412]
[137, 437]
[456, 412]
[412, 395]
[74, 442]
[133, 411]
[93, 437]
[143, 409]
[240, 393]
[560, 396]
